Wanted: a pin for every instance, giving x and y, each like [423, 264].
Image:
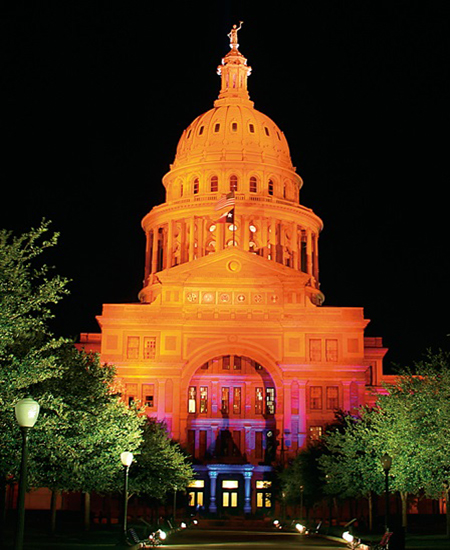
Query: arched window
[214, 184]
[233, 183]
[196, 186]
[253, 185]
[270, 187]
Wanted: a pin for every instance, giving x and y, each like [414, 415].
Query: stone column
[248, 491]
[191, 238]
[302, 433]
[212, 491]
[309, 252]
[294, 247]
[170, 243]
[155, 250]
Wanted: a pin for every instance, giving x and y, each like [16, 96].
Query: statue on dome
[233, 36]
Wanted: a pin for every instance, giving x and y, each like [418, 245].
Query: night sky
[95, 96]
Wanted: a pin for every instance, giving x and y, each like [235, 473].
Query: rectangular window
[237, 400]
[192, 399]
[236, 443]
[270, 400]
[149, 347]
[148, 395]
[315, 432]
[259, 400]
[315, 350]
[237, 363]
[258, 444]
[202, 444]
[331, 350]
[332, 397]
[225, 399]
[230, 484]
[133, 347]
[226, 362]
[191, 443]
[203, 399]
[131, 392]
[315, 398]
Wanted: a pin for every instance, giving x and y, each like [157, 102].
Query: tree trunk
[2, 509]
[370, 506]
[87, 511]
[53, 502]
[447, 509]
[404, 497]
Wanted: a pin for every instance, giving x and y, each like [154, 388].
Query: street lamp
[126, 458]
[386, 462]
[301, 500]
[27, 412]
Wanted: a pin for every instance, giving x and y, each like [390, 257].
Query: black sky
[95, 95]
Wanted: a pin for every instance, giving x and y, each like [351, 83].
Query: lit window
[225, 399]
[131, 393]
[270, 400]
[197, 483]
[315, 432]
[230, 484]
[252, 228]
[192, 399]
[237, 400]
[263, 484]
[148, 395]
[214, 184]
[270, 187]
[212, 227]
[133, 347]
[259, 400]
[150, 347]
[332, 397]
[203, 399]
[233, 183]
[253, 184]
[315, 398]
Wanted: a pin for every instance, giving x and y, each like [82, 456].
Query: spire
[234, 73]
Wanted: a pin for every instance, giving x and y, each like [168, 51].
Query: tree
[28, 289]
[161, 467]
[414, 420]
[351, 466]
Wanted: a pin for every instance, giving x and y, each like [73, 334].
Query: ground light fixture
[27, 412]
[126, 458]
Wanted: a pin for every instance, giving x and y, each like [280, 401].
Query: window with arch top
[233, 183]
[253, 185]
[270, 187]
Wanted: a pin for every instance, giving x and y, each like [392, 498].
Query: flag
[227, 217]
[226, 201]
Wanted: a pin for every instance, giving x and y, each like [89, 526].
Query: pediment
[232, 265]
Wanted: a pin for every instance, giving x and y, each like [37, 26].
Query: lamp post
[301, 501]
[386, 462]
[27, 412]
[126, 458]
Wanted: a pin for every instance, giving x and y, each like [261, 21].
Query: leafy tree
[414, 420]
[302, 482]
[28, 289]
[161, 467]
[351, 466]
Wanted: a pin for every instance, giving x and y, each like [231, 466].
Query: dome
[234, 130]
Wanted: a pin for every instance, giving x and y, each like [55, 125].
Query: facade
[230, 343]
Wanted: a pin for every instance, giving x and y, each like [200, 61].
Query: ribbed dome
[236, 132]
[233, 130]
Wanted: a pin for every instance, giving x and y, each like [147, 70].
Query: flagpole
[234, 219]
